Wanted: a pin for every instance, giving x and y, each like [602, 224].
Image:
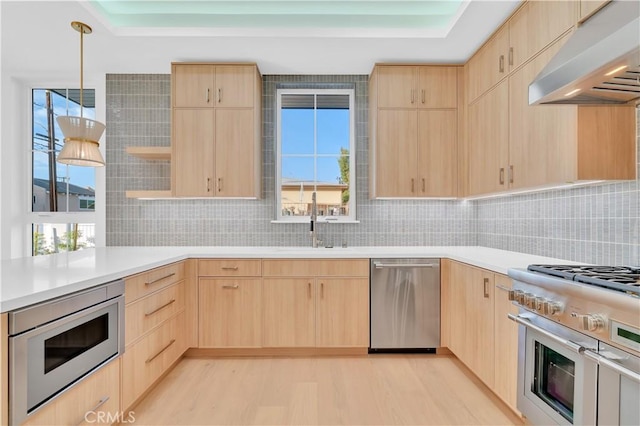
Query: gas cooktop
[619, 278]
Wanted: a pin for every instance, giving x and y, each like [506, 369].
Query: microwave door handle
[564, 342]
[605, 362]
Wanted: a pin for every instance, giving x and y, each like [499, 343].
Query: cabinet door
[488, 141]
[542, 139]
[234, 153]
[96, 394]
[459, 276]
[505, 343]
[235, 86]
[536, 25]
[479, 320]
[437, 87]
[489, 65]
[342, 318]
[396, 153]
[229, 313]
[193, 86]
[397, 87]
[437, 149]
[192, 152]
[288, 309]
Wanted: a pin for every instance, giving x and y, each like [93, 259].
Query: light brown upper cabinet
[533, 26]
[414, 127]
[208, 85]
[216, 131]
[401, 86]
[512, 145]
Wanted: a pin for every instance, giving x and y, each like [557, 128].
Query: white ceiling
[37, 38]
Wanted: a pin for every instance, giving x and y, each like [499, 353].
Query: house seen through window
[59, 189]
[315, 153]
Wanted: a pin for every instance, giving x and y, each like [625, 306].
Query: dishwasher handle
[404, 265]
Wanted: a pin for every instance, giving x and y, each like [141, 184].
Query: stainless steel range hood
[607, 43]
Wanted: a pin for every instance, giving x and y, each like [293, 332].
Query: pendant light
[81, 135]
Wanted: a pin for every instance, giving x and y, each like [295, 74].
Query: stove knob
[592, 322]
[513, 294]
[539, 303]
[529, 300]
[551, 308]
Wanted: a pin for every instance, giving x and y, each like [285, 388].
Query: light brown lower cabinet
[229, 313]
[149, 358]
[315, 303]
[476, 328]
[342, 318]
[505, 343]
[289, 312]
[93, 400]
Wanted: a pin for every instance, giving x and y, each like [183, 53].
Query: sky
[298, 140]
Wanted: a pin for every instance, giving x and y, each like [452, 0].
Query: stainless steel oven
[579, 344]
[54, 344]
[557, 383]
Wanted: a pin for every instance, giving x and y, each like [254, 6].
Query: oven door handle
[564, 342]
[607, 363]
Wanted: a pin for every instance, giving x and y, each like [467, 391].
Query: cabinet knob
[501, 175]
[511, 56]
[219, 94]
[423, 95]
[413, 181]
[501, 64]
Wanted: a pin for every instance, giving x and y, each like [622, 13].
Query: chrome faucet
[314, 219]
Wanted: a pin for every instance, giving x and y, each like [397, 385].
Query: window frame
[97, 216]
[352, 217]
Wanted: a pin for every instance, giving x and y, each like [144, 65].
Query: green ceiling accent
[371, 14]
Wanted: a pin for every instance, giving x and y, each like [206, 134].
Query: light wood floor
[373, 390]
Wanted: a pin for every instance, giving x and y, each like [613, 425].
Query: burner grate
[620, 278]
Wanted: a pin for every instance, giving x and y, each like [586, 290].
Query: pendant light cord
[81, 70]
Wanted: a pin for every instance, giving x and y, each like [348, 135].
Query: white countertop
[30, 280]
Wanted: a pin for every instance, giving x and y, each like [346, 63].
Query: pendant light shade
[81, 135]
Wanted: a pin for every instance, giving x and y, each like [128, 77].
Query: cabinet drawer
[229, 268]
[97, 393]
[146, 283]
[316, 267]
[144, 314]
[146, 360]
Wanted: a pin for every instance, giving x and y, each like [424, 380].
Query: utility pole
[53, 178]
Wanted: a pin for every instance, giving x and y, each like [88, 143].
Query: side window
[316, 150]
[60, 190]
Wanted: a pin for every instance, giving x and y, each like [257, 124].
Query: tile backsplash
[139, 114]
[598, 224]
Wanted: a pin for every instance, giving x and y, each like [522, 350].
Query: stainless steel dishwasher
[405, 305]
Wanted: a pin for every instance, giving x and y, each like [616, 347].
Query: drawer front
[146, 360]
[146, 313]
[140, 285]
[229, 268]
[316, 267]
[95, 398]
[342, 268]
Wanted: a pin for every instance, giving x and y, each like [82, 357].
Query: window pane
[333, 123]
[296, 198]
[297, 121]
[71, 182]
[297, 169]
[332, 189]
[59, 237]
